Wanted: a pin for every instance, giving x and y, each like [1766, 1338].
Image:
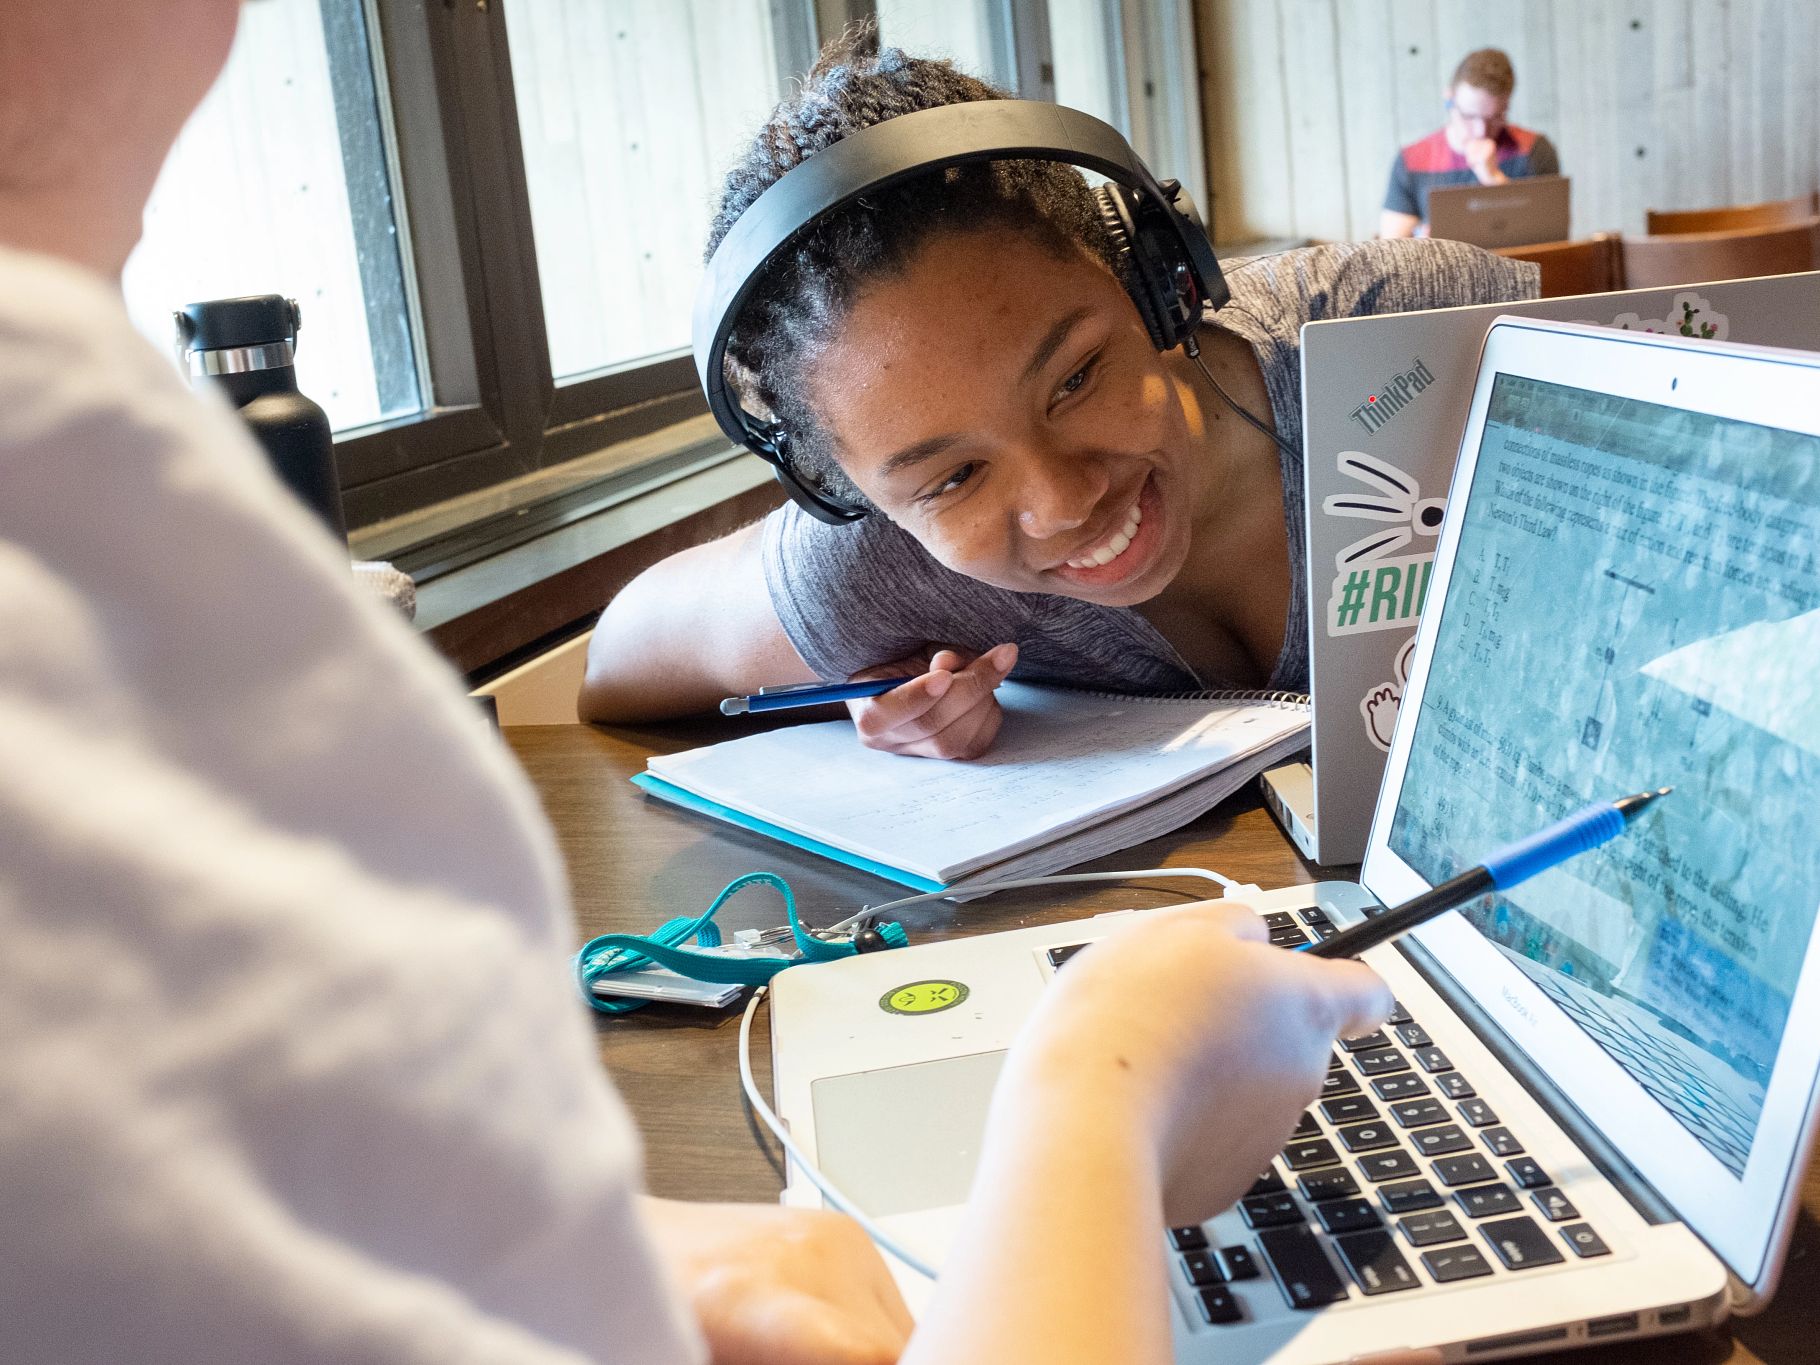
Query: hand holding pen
[939, 704]
[1586, 828]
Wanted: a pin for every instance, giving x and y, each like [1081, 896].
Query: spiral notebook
[1072, 776]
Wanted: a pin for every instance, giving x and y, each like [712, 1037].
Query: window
[1089, 60]
[492, 213]
[1130, 65]
[1069, 51]
[629, 116]
[279, 185]
[973, 34]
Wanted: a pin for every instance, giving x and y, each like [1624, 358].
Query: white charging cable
[968, 888]
[821, 1182]
[768, 1116]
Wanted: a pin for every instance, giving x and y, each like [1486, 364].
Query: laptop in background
[1383, 402]
[1588, 1118]
[1516, 213]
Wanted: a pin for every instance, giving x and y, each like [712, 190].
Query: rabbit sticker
[1377, 587]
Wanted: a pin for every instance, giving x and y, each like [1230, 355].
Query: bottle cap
[224, 324]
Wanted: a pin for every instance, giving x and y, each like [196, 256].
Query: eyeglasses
[1485, 125]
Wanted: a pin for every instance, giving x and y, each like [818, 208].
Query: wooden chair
[1775, 213]
[1693, 257]
[1587, 265]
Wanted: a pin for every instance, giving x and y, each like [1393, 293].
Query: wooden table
[634, 863]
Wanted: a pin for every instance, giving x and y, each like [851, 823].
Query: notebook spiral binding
[1253, 696]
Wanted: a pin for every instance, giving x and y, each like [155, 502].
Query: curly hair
[797, 308]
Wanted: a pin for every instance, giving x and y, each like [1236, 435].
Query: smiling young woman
[1049, 494]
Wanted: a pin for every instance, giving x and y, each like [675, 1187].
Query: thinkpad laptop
[1535, 208]
[1587, 1119]
[1383, 401]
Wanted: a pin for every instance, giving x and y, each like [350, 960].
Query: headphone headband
[876, 158]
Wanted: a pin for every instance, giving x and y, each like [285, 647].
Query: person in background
[292, 1067]
[1474, 145]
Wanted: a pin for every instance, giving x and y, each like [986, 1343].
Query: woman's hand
[780, 1286]
[949, 711]
[1208, 1038]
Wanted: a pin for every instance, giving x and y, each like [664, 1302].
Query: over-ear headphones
[1171, 272]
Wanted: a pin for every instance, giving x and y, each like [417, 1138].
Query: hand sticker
[1380, 706]
[1383, 703]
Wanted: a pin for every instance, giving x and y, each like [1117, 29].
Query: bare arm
[686, 632]
[700, 626]
[1394, 224]
[1059, 1187]
[1113, 1120]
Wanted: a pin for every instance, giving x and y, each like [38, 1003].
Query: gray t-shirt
[853, 596]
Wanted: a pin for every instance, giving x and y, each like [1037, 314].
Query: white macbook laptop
[1589, 1117]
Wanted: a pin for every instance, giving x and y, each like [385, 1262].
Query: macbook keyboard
[1401, 1176]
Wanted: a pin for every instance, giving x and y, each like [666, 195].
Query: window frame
[494, 413]
[494, 410]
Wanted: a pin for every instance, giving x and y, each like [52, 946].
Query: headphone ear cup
[1140, 273]
[806, 492]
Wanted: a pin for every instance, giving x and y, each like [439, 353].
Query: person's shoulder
[1543, 158]
[54, 317]
[1525, 141]
[808, 547]
[1397, 275]
[872, 561]
[1426, 155]
[72, 362]
[1404, 274]
[852, 596]
[82, 390]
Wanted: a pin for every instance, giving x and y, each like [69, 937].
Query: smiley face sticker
[923, 997]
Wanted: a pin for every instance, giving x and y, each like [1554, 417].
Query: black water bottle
[248, 346]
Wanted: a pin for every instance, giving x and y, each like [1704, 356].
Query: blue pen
[807, 694]
[1518, 862]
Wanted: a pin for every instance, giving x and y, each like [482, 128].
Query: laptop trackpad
[905, 1138]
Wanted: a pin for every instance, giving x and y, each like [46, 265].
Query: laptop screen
[1635, 603]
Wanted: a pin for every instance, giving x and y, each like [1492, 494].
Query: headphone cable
[1193, 351]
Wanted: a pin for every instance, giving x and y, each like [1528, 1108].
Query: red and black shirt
[1433, 164]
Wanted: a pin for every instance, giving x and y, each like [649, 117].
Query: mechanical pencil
[807, 694]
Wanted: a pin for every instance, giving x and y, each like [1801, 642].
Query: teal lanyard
[606, 954]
